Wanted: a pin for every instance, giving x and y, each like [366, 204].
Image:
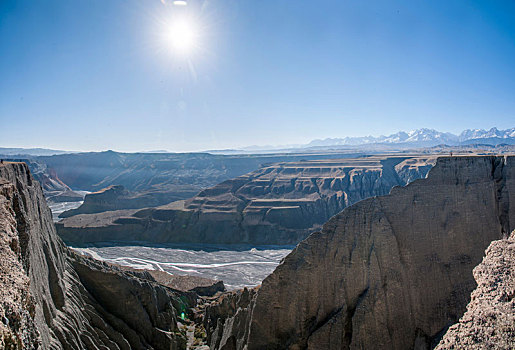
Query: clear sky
[103, 74]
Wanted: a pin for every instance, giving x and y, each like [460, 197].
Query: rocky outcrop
[489, 322]
[232, 310]
[277, 204]
[391, 272]
[116, 197]
[60, 300]
[64, 196]
[17, 307]
[200, 286]
[109, 198]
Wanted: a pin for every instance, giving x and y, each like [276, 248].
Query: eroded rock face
[17, 307]
[230, 310]
[106, 199]
[116, 197]
[159, 178]
[277, 204]
[489, 322]
[61, 300]
[389, 272]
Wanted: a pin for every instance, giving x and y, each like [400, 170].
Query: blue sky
[97, 74]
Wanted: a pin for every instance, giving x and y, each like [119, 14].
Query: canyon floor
[238, 266]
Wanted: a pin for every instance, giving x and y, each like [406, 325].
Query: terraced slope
[277, 204]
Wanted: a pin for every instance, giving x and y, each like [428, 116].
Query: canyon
[400, 270]
[387, 272]
[281, 203]
[161, 177]
[147, 179]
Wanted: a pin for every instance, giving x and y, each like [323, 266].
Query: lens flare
[182, 36]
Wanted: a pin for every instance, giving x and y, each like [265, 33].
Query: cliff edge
[391, 272]
[55, 299]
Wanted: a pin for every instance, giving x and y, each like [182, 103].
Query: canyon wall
[56, 299]
[116, 197]
[159, 177]
[390, 272]
[280, 203]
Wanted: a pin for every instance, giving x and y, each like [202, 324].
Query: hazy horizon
[257, 148]
[97, 75]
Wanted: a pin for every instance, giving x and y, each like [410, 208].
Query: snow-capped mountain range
[425, 137]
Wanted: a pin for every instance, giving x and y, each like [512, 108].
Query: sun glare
[182, 36]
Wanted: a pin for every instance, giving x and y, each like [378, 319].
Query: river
[238, 266]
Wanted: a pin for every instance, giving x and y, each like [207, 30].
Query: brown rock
[489, 322]
[389, 272]
[70, 301]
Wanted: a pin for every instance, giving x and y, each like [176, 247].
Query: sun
[182, 36]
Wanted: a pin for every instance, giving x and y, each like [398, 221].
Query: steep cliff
[54, 189]
[389, 272]
[54, 298]
[489, 322]
[230, 310]
[137, 172]
[277, 204]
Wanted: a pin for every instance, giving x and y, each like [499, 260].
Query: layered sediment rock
[145, 171]
[158, 177]
[116, 197]
[489, 322]
[391, 272]
[277, 204]
[59, 300]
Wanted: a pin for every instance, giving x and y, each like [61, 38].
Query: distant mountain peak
[424, 137]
